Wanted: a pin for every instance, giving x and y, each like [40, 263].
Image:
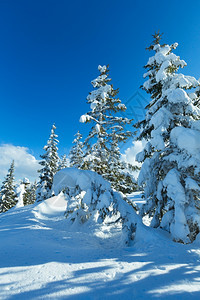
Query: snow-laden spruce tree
[63, 163]
[26, 193]
[119, 172]
[106, 123]
[29, 196]
[20, 191]
[8, 197]
[170, 173]
[76, 153]
[49, 163]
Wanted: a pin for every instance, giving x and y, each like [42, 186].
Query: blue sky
[50, 51]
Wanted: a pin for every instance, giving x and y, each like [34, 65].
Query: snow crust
[43, 258]
[51, 207]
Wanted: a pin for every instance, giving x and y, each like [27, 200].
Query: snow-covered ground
[42, 257]
[137, 199]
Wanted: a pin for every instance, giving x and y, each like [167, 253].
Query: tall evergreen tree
[8, 197]
[63, 163]
[20, 190]
[119, 172]
[29, 196]
[49, 163]
[76, 152]
[171, 167]
[106, 124]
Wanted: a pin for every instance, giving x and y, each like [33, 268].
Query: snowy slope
[42, 257]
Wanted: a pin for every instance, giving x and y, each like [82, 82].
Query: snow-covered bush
[91, 197]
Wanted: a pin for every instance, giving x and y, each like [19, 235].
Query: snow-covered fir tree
[170, 173]
[8, 197]
[63, 163]
[76, 152]
[20, 191]
[29, 196]
[49, 163]
[106, 123]
[119, 172]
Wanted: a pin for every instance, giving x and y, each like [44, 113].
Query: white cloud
[130, 154]
[26, 164]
